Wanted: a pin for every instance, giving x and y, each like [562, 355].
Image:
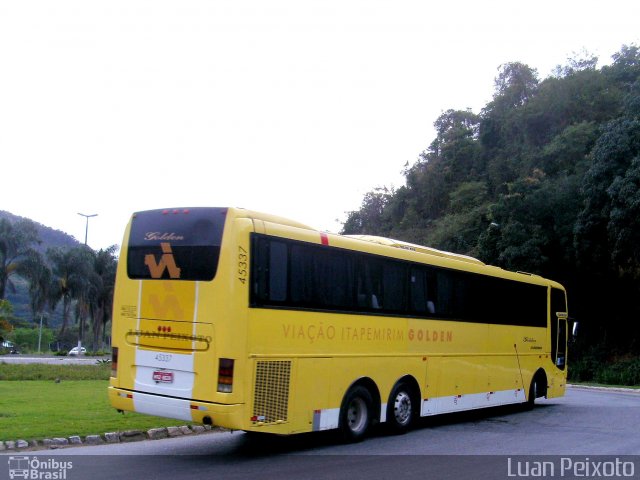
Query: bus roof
[266, 217]
[390, 242]
[416, 248]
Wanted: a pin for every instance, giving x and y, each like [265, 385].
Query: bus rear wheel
[401, 409]
[355, 414]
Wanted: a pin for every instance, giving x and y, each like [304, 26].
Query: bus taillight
[225, 375]
[114, 362]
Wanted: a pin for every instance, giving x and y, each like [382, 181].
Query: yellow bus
[249, 321]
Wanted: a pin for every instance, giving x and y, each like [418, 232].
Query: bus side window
[431, 307]
[422, 285]
[418, 291]
[278, 263]
[394, 286]
[444, 287]
[261, 269]
[369, 284]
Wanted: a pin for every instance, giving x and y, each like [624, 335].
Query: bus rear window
[176, 244]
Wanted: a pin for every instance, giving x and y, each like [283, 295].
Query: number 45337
[243, 265]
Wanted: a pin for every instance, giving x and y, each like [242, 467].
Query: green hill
[50, 238]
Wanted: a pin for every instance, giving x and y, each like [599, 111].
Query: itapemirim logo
[167, 262]
[38, 469]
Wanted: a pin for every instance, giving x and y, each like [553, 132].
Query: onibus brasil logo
[36, 468]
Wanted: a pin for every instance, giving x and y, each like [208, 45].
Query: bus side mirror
[574, 329]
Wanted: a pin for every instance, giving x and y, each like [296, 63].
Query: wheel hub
[357, 415]
[402, 408]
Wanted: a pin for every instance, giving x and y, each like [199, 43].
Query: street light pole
[86, 233]
[40, 334]
[86, 228]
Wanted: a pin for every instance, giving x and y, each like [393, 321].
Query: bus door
[559, 319]
[561, 355]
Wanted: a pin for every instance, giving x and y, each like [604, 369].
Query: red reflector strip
[125, 395]
[198, 407]
[324, 238]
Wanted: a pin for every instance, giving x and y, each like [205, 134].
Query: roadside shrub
[599, 364]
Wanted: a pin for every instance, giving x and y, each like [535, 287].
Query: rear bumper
[217, 414]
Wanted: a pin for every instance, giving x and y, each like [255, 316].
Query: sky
[291, 107]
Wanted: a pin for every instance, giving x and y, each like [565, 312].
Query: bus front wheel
[355, 414]
[537, 389]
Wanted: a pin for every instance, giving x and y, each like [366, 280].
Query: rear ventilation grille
[271, 400]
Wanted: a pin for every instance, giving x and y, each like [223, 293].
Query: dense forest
[544, 179]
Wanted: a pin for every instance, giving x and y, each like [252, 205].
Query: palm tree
[101, 298]
[38, 276]
[71, 269]
[16, 240]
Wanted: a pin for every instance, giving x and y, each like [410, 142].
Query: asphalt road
[584, 426]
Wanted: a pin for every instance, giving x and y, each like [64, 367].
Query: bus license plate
[163, 377]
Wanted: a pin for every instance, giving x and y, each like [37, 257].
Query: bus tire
[537, 389]
[356, 414]
[401, 409]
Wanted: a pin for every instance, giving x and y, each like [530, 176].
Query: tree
[568, 151]
[102, 283]
[369, 219]
[626, 65]
[16, 240]
[579, 62]
[612, 156]
[624, 220]
[38, 276]
[515, 84]
[71, 269]
[459, 229]
[6, 313]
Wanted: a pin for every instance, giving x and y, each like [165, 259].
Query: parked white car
[8, 347]
[74, 352]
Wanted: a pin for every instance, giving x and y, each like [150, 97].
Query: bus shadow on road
[504, 414]
[254, 444]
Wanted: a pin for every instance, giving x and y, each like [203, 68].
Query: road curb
[21, 445]
[605, 389]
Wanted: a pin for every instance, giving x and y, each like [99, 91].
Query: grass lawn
[37, 409]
